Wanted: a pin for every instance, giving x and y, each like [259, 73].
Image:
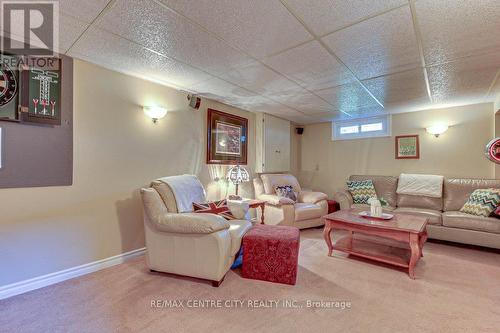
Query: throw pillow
[286, 191]
[361, 191]
[496, 213]
[482, 202]
[214, 207]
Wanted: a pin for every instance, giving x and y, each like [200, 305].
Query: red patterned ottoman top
[271, 253]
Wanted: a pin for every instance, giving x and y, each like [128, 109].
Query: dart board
[8, 85]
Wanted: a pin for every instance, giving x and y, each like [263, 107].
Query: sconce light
[437, 129]
[155, 112]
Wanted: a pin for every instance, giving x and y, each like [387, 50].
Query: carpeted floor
[457, 290]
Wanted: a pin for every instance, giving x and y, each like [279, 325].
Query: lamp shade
[238, 174]
[437, 129]
[155, 112]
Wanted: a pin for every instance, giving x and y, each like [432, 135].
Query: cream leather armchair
[307, 212]
[191, 244]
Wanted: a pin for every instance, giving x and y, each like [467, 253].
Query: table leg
[351, 235]
[262, 207]
[422, 240]
[415, 254]
[328, 239]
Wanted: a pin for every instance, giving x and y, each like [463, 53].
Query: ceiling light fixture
[437, 129]
[155, 112]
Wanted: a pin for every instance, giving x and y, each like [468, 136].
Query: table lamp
[237, 175]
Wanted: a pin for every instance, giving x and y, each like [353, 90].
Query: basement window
[361, 128]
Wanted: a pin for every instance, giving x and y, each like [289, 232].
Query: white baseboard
[52, 278]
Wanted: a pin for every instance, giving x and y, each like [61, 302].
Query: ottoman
[271, 253]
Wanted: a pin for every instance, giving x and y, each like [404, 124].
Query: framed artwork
[41, 91]
[407, 147]
[227, 138]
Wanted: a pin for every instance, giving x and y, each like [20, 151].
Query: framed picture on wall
[407, 147]
[226, 138]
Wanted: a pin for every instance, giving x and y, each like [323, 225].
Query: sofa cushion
[166, 194]
[482, 202]
[270, 181]
[433, 215]
[385, 186]
[457, 219]
[417, 201]
[457, 191]
[307, 211]
[361, 190]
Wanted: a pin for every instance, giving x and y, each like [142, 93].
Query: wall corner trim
[70, 273]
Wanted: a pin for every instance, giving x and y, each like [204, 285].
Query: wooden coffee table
[409, 233]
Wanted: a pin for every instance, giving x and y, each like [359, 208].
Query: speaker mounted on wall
[194, 101]
[299, 130]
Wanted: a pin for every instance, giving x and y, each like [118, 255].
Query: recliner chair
[191, 244]
[307, 212]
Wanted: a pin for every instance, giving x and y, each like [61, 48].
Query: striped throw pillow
[482, 202]
[361, 191]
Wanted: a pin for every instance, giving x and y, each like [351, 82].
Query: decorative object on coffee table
[407, 147]
[238, 175]
[398, 241]
[270, 253]
[226, 138]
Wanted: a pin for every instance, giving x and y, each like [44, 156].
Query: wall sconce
[154, 112]
[437, 129]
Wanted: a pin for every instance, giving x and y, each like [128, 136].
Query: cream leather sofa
[191, 244]
[306, 213]
[446, 222]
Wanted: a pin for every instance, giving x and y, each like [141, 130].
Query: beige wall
[116, 151]
[325, 164]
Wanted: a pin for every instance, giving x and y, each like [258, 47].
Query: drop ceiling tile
[327, 16]
[451, 29]
[311, 66]
[400, 90]
[328, 116]
[69, 31]
[155, 27]
[464, 81]
[367, 112]
[348, 98]
[114, 52]
[262, 80]
[259, 27]
[85, 11]
[382, 45]
[226, 92]
[305, 102]
[284, 112]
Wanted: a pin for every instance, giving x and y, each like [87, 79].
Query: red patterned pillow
[496, 213]
[214, 207]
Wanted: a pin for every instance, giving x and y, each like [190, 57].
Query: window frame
[386, 121]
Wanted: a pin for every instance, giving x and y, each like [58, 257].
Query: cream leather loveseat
[191, 244]
[446, 222]
[307, 212]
